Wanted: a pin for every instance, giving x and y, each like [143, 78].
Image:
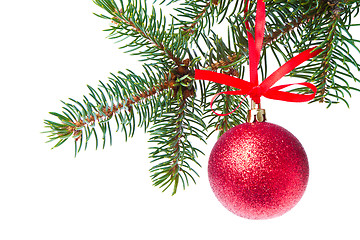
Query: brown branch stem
[109, 112]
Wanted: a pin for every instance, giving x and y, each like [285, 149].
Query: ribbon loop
[228, 93]
[252, 88]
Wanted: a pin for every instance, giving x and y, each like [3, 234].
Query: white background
[49, 51]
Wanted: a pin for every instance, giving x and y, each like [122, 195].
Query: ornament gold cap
[256, 113]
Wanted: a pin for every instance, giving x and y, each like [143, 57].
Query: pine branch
[330, 71]
[195, 13]
[286, 29]
[107, 113]
[190, 29]
[116, 99]
[143, 32]
[174, 154]
[152, 38]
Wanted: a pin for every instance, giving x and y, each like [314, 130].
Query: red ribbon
[252, 88]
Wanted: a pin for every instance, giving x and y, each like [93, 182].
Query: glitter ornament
[258, 170]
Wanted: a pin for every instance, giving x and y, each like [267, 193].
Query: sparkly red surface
[258, 170]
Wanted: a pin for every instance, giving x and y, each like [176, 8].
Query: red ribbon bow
[252, 88]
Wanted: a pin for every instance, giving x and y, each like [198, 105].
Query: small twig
[268, 39]
[146, 35]
[325, 63]
[287, 28]
[189, 29]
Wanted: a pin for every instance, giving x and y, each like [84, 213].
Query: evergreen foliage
[165, 99]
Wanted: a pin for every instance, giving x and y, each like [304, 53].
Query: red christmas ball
[258, 170]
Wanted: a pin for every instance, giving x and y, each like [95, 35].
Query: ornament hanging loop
[265, 88]
[256, 113]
